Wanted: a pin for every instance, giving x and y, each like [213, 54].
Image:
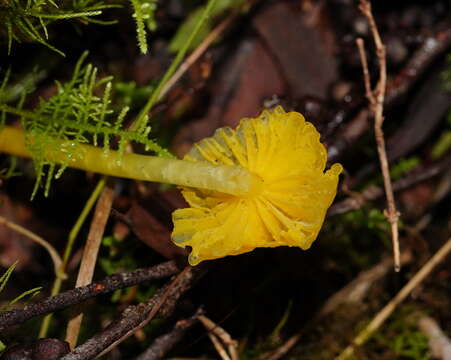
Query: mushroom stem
[235, 180]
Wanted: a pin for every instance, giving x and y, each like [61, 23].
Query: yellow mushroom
[286, 207]
[261, 185]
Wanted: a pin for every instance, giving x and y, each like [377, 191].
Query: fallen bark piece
[303, 44]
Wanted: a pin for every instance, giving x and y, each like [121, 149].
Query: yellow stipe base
[284, 151]
[235, 180]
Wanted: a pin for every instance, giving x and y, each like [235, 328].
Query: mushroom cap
[289, 209]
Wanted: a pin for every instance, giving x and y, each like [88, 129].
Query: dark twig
[161, 304]
[164, 343]
[373, 193]
[167, 298]
[433, 46]
[77, 295]
[376, 98]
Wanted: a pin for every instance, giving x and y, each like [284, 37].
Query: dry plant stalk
[197, 53]
[203, 46]
[376, 99]
[388, 309]
[57, 262]
[220, 339]
[89, 258]
[282, 350]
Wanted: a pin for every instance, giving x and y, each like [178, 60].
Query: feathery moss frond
[6, 275]
[79, 112]
[28, 19]
[144, 14]
[17, 91]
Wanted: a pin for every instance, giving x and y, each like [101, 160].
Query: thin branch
[90, 252]
[164, 343]
[197, 53]
[373, 192]
[133, 316]
[169, 291]
[77, 295]
[219, 347]
[376, 98]
[366, 74]
[432, 47]
[141, 118]
[388, 309]
[221, 339]
[57, 262]
[203, 46]
[282, 350]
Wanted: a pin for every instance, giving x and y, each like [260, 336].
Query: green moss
[401, 336]
[80, 112]
[25, 20]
